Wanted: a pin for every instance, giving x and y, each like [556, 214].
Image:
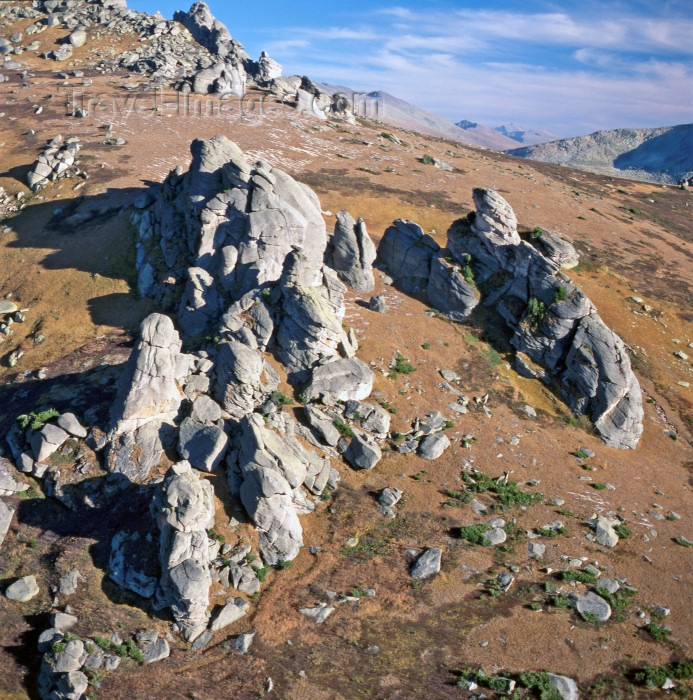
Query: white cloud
[571, 73]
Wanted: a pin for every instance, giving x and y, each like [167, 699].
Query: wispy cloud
[570, 71]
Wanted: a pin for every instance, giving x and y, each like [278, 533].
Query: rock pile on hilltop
[193, 52]
[236, 252]
[556, 329]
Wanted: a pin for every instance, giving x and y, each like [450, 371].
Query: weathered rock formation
[148, 399]
[184, 508]
[351, 253]
[556, 329]
[57, 161]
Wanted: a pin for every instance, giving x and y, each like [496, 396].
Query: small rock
[566, 687]
[592, 604]
[22, 590]
[157, 651]
[243, 642]
[390, 496]
[318, 614]
[378, 304]
[536, 550]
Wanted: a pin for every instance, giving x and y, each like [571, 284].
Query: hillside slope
[659, 155]
[343, 616]
[396, 112]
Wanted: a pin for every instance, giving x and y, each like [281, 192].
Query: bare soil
[77, 286]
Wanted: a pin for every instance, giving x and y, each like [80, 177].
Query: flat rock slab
[592, 604]
[7, 307]
[22, 590]
[231, 612]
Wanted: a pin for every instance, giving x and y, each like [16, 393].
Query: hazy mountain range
[664, 154]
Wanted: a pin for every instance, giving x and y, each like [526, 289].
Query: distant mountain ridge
[392, 110]
[513, 132]
[528, 137]
[662, 154]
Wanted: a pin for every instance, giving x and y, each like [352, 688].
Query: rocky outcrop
[239, 222]
[351, 253]
[451, 289]
[208, 30]
[148, 398]
[148, 389]
[184, 509]
[553, 323]
[58, 160]
[272, 469]
[556, 329]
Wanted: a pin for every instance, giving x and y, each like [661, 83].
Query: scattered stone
[433, 446]
[23, 589]
[378, 304]
[428, 564]
[157, 651]
[536, 550]
[390, 496]
[591, 604]
[567, 688]
[318, 614]
[243, 642]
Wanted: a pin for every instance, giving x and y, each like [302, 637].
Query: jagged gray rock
[184, 508]
[243, 378]
[202, 445]
[555, 325]
[147, 390]
[432, 446]
[363, 451]
[234, 610]
[407, 251]
[271, 469]
[428, 564]
[351, 253]
[448, 291]
[567, 688]
[47, 441]
[148, 398]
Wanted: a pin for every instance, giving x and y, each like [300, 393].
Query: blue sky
[573, 67]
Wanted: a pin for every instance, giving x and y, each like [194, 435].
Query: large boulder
[449, 291]
[184, 507]
[407, 252]
[148, 390]
[340, 380]
[243, 378]
[352, 253]
[272, 469]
